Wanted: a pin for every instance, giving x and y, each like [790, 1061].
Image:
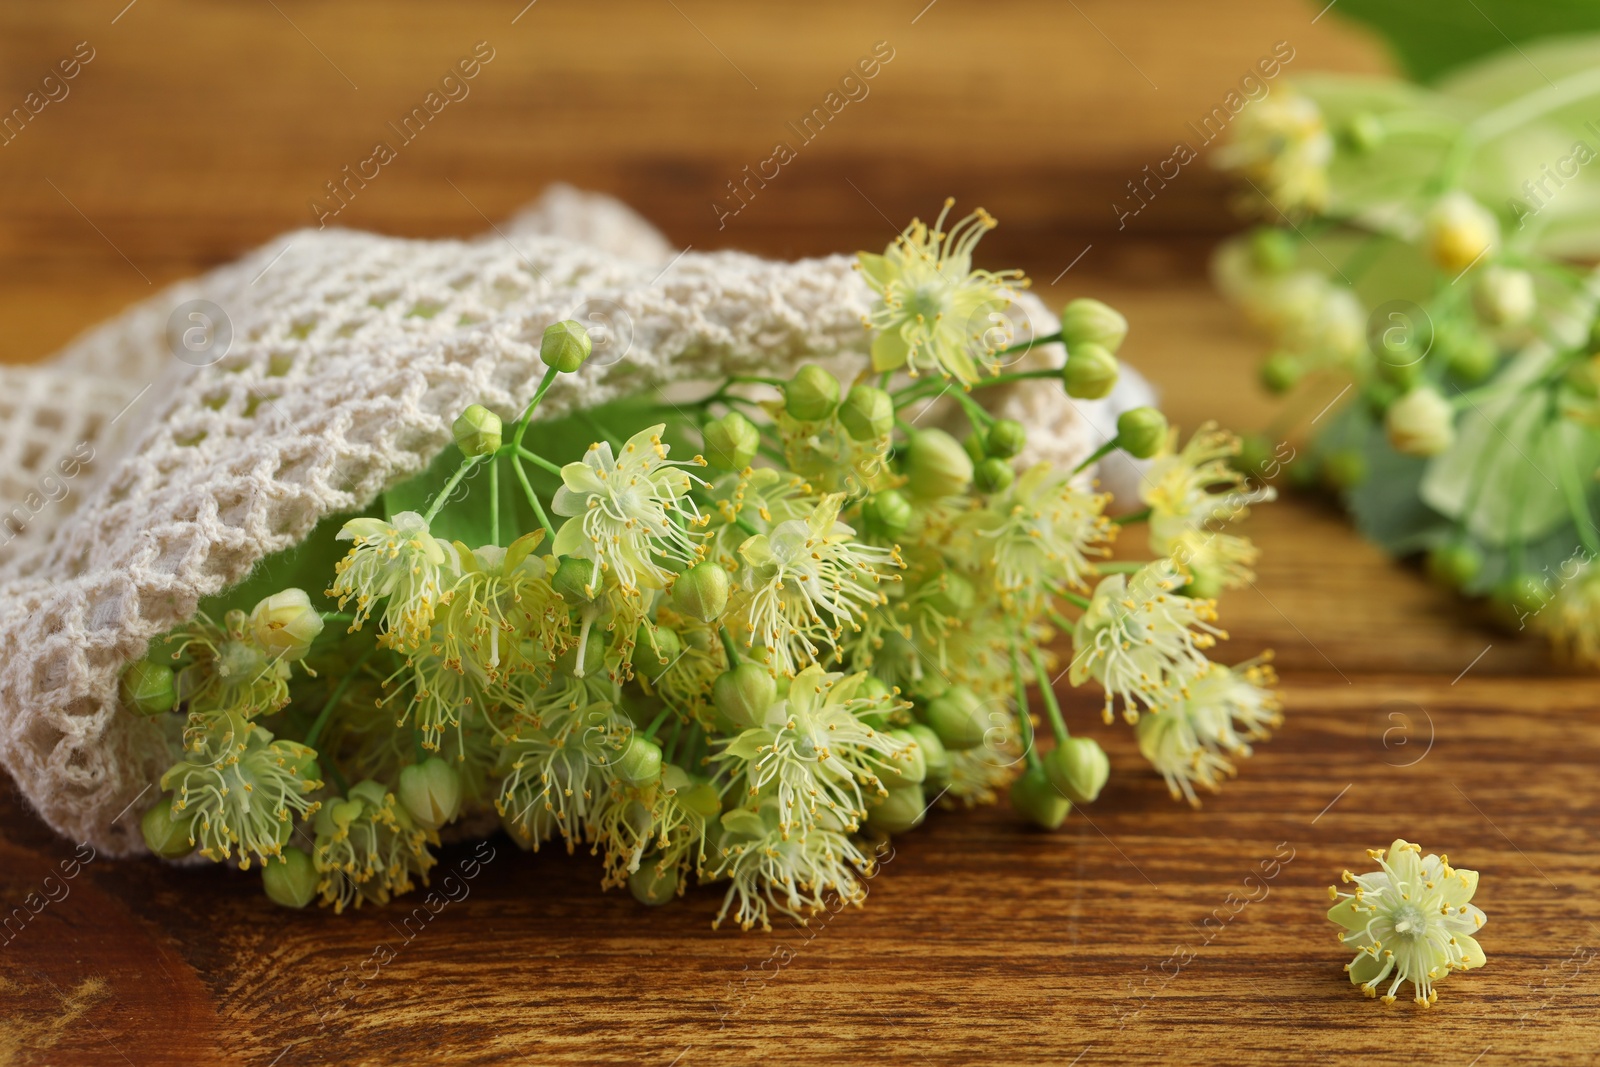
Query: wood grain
[200, 130]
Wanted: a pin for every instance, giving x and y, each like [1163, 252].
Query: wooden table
[199, 130]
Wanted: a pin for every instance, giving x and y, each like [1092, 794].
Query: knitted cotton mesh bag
[145, 482]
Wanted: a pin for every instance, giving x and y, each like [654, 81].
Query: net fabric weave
[351, 354]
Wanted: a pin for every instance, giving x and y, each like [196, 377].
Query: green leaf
[1432, 37]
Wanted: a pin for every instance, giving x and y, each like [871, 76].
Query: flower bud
[886, 514]
[1503, 296]
[811, 394]
[744, 694]
[935, 757]
[912, 764]
[1363, 133]
[903, 809]
[936, 465]
[950, 593]
[874, 692]
[1421, 423]
[1281, 372]
[148, 689]
[1454, 564]
[993, 475]
[957, 716]
[1141, 432]
[1205, 581]
[639, 762]
[431, 792]
[565, 345]
[701, 592]
[1468, 353]
[165, 836]
[1343, 468]
[731, 442]
[651, 886]
[1090, 372]
[1272, 250]
[577, 579]
[290, 879]
[1458, 231]
[285, 624]
[1085, 321]
[477, 431]
[1078, 768]
[1035, 799]
[1006, 438]
[867, 413]
[654, 650]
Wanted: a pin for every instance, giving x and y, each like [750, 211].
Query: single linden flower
[810, 581]
[1040, 534]
[246, 797]
[796, 875]
[934, 311]
[623, 510]
[1283, 146]
[1194, 487]
[1193, 737]
[1140, 640]
[399, 562]
[1413, 920]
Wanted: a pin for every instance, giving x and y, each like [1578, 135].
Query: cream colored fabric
[351, 354]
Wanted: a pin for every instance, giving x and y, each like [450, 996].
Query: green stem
[1074, 599]
[1132, 517]
[533, 498]
[449, 487]
[1578, 505]
[727, 646]
[976, 416]
[338, 693]
[1026, 346]
[1058, 725]
[755, 379]
[494, 500]
[1024, 718]
[527, 413]
[1097, 455]
[1123, 566]
[539, 461]
[655, 724]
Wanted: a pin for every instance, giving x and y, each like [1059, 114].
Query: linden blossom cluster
[742, 667]
[1473, 432]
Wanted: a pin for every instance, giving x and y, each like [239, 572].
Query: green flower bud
[1344, 469]
[1363, 133]
[731, 442]
[1272, 250]
[430, 792]
[1035, 799]
[577, 579]
[477, 431]
[1205, 583]
[1504, 296]
[1006, 438]
[903, 809]
[811, 394]
[1141, 432]
[147, 688]
[957, 716]
[1454, 564]
[1090, 372]
[639, 763]
[290, 879]
[1090, 322]
[1078, 768]
[886, 514]
[652, 655]
[993, 475]
[935, 757]
[285, 624]
[651, 886]
[165, 836]
[867, 413]
[1421, 423]
[936, 465]
[874, 690]
[1281, 372]
[1469, 354]
[950, 593]
[913, 766]
[701, 592]
[744, 694]
[565, 345]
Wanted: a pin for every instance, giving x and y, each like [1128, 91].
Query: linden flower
[1178, 487]
[247, 797]
[1042, 533]
[809, 581]
[934, 310]
[814, 747]
[769, 869]
[230, 671]
[1140, 640]
[1412, 919]
[622, 510]
[1213, 717]
[368, 848]
[399, 562]
[1282, 145]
